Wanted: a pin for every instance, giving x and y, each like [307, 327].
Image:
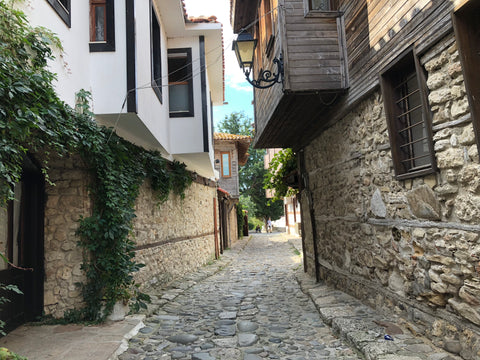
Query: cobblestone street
[255, 302]
[251, 309]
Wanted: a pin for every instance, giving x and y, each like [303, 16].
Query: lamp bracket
[267, 76]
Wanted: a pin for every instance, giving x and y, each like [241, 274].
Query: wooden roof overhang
[242, 142]
[297, 119]
[242, 14]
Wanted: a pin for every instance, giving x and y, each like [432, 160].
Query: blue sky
[238, 92]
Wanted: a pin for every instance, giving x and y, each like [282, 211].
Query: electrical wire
[150, 85]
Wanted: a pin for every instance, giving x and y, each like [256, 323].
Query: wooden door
[22, 243]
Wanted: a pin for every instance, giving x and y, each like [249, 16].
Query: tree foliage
[34, 120]
[282, 165]
[253, 172]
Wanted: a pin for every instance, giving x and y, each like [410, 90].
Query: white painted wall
[153, 113]
[108, 77]
[71, 65]
[104, 74]
[188, 131]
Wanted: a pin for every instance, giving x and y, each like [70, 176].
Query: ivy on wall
[33, 119]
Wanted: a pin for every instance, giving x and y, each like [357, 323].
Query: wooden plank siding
[306, 36]
[425, 29]
[266, 100]
[325, 55]
[312, 58]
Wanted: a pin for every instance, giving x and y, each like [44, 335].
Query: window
[102, 25]
[156, 55]
[408, 117]
[322, 5]
[180, 82]
[62, 7]
[467, 33]
[226, 164]
[266, 26]
[320, 8]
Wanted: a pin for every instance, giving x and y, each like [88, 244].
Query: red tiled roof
[223, 191]
[243, 142]
[203, 19]
[225, 136]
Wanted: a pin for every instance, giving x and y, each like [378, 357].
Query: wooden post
[215, 224]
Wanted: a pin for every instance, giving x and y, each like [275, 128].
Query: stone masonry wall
[66, 201]
[174, 237]
[410, 246]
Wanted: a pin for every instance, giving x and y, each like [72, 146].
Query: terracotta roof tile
[225, 136]
[243, 142]
[203, 19]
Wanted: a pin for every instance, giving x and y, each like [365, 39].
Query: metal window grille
[411, 124]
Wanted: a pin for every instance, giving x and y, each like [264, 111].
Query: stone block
[444, 260]
[439, 96]
[450, 158]
[459, 108]
[436, 63]
[437, 80]
[470, 292]
[377, 206]
[423, 203]
[441, 145]
[465, 310]
[467, 137]
[467, 207]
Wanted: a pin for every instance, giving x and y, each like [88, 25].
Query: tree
[237, 123]
[252, 174]
[282, 167]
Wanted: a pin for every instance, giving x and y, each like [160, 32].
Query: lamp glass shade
[244, 48]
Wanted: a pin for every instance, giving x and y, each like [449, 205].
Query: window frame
[156, 54]
[408, 60]
[468, 48]
[62, 11]
[332, 12]
[190, 112]
[266, 27]
[109, 43]
[229, 164]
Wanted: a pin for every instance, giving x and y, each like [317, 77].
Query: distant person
[269, 225]
[257, 229]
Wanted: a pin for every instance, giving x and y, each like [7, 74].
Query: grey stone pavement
[255, 302]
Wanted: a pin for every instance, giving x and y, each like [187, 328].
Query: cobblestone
[256, 303]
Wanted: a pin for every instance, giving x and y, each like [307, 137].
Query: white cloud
[237, 81]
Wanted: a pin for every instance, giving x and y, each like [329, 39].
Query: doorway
[22, 242]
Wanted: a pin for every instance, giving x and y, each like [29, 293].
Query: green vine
[33, 119]
[282, 166]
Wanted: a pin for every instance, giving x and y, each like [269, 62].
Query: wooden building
[230, 154]
[380, 101]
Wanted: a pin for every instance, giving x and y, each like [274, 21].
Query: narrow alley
[250, 306]
[251, 309]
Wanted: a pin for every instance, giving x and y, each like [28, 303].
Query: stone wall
[173, 238]
[176, 236]
[408, 246]
[66, 201]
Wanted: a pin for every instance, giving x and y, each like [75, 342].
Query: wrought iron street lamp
[244, 48]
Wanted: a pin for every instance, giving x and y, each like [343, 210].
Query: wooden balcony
[313, 48]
